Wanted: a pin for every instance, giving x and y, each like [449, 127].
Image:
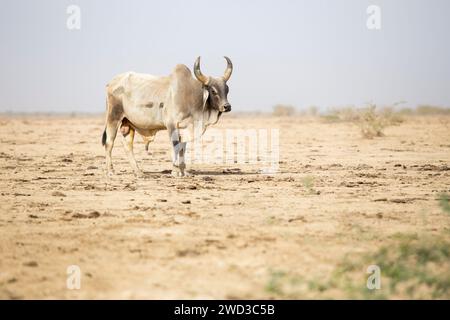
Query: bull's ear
[205, 97]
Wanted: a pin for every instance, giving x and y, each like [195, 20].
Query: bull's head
[216, 88]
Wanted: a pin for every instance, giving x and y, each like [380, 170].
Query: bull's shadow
[221, 172]
[193, 172]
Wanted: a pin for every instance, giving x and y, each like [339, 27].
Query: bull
[146, 104]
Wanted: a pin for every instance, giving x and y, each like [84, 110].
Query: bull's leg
[110, 132]
[179, 148]
[127, 140]
[114, 116]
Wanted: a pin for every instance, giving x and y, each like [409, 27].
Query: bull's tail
[104, 132]
[104, 138]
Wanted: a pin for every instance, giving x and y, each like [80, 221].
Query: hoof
[178, 171]
[188, 174]
[177, 174]
[139, 174]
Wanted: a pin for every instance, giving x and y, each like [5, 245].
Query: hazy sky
[303, 53]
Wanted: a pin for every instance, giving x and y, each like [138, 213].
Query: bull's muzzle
[226, 108]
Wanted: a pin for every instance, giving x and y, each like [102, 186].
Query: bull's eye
[214, 91]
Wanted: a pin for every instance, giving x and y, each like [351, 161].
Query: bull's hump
[140, 76]
[182, 70]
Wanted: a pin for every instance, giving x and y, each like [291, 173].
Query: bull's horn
[198, 74]
[229, 69]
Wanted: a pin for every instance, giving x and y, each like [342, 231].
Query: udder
[125, 127]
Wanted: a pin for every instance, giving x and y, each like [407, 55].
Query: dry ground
[221, 233]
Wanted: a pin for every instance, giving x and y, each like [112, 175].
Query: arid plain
[338, 204]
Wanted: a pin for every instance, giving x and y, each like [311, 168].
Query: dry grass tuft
[411, 267]
[444, 202]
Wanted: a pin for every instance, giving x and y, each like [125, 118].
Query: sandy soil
[219, 234]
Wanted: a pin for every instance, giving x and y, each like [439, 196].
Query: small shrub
[274, 285]
[371, 123]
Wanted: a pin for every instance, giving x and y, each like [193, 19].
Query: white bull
[147, 104]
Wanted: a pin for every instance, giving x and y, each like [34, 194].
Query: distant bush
[391, 117]
[406, 111]
[311, 111]
[282, 110]
[371, 120]
[343, 114]
[431, 110]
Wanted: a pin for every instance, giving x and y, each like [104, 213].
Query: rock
[399, 200]
[30, 264]
[90, 215]
[58, 194]
[79, 216]
[187, 252]
[93, 215]
[231, 171]
[12, 280]
[298, 218]
[363, 166]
